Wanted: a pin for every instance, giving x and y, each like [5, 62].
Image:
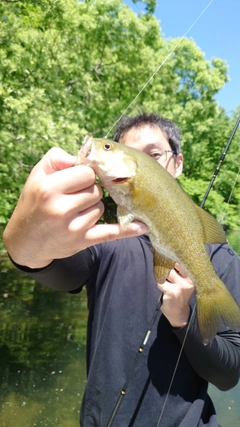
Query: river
[43, 349]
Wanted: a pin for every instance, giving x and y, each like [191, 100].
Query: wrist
[30, 264]
[180, 320]
[21, 253]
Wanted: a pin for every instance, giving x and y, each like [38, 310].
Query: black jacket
[122, 297]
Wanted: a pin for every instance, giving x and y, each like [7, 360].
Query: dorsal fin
[213, 231]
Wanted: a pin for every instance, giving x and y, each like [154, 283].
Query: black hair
[170, 129]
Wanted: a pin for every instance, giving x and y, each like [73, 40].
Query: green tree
[150, 5]
[72, 68]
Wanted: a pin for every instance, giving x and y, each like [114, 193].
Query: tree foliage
[72, 68]
[149, 4]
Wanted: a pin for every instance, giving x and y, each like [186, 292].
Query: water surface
[42, 348]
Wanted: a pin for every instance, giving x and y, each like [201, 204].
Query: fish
[178, 228]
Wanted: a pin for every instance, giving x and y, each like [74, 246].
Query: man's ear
[178, 165]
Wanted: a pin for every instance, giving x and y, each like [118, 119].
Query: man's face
[150, 139]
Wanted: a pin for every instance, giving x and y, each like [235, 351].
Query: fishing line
[139, 352]
[230, 195]
[234, 185]
[159, 67]
[176, 367]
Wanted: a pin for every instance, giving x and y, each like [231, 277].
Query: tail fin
[216, 309]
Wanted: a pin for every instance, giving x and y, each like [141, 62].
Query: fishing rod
[220, 163]
[139, 352]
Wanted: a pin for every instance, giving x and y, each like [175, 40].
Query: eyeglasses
[161, 155]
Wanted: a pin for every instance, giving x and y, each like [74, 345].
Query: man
[53, 236]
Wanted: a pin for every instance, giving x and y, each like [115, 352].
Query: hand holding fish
[57, 212]
[177, 291]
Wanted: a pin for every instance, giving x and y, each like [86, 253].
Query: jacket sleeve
[66, 274]
[219, 361]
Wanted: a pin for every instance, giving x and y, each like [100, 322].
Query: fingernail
[142, 228]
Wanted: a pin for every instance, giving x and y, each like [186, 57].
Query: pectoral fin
[162, 266]
[124, 218]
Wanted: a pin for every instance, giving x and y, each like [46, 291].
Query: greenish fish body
[179, 229]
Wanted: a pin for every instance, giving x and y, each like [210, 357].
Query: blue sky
[217, 33]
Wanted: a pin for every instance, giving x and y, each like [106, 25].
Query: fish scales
[178, 228]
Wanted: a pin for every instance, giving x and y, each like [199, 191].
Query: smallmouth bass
[178, 229]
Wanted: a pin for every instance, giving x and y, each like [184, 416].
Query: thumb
[106, 232]
[56, 159]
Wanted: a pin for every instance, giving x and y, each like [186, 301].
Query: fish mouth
[120, 180]
[87, 147]
[88, 152]
[85, 152]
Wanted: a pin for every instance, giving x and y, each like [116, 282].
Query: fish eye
[108, 146]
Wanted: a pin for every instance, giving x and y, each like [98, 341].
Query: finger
[106, 232]
[56, 159]
[164, 287]
[179, 280]
[176, 273]
[76, 206]
[180, 270]
[173, 276]
[71, 180]
[85, 219]
[83, 200]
